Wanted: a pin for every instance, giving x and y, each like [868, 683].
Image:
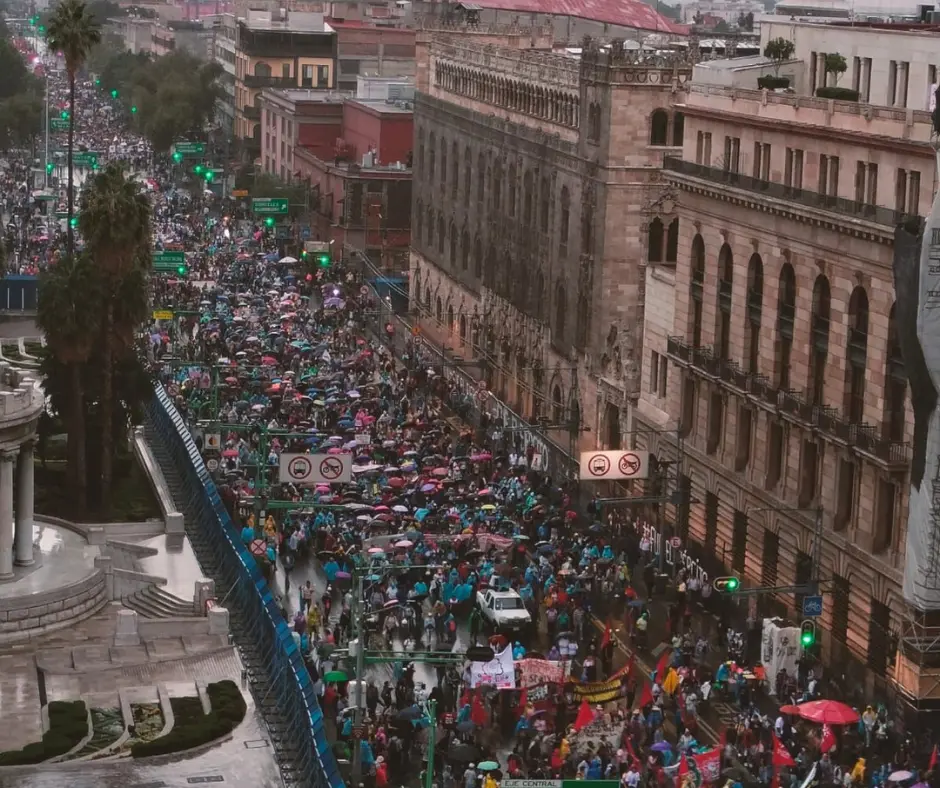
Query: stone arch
[450, 317]
[454, 238]
[655, 236]
[659, 127]
[439, 310]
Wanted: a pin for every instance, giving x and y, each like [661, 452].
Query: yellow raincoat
[671, 682]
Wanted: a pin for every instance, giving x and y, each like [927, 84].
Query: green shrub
[839, 94]
[192, 728]
[773, 83]
[68, 725]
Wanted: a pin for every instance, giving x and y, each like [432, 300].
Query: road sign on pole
[812, 606]
[59, 124]
[270, 206]
[168, 261]
[316, 468]
[85, 159]
[186, 148]
[604, 465]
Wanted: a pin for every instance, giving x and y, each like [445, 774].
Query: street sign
[605, 465]
[213, 441]
[272, 206]
[812, 606]
[363, 438]
[59, 124]
[531, 784]
[239, 192]
[168, 261]
[85, 159]
[162, 314]
[316, 468]
[189, 148]
[212, 464]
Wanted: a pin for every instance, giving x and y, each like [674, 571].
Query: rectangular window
[871, 186]
[770, 557]
[814, 68]
[809, 473]
[742, 455]
[793, 173]
[654, 371]
[913, 192]
[866, 80]
[711, 523]
[845, 501]
[804, 573]
[716, 418]
[306, 77]
[900, 191]
[841, 592]
[892, 83]
[285, 70]
[762, 161]
[739, 542]
[775, 454]
[732, 154]
[860, 171]
[689, 393]
[884, 516]
[931, 85]
[323, 76]
[880, 640]
[829, 175]
[663, 375]
[700, 148]
[904, 73]
[856, 74]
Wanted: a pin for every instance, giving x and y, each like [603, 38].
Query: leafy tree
[779, 50]
[69, 315]
[73, 32]
[836, 65]
[16, 76]
[115, 223]
[20, 120]
[722, 27]
[746, 21]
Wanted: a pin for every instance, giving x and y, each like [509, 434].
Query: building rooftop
[294, 22]
[310, 95]
[402, 107]
[734, 63]
[627, 13]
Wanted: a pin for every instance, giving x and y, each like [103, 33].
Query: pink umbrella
[404, 544]
[381, 509]
[230, 453]
[322, 488]
[269, 360]
[375, 550]
[439, 472]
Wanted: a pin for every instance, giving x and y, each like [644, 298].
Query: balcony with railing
[252, 112]
[790, 403]
[256, 81]
[850, 209]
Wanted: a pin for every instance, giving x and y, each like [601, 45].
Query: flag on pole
[662, 665]
[683, 767]
[585, 715]
[646, 696]
[781, 755]
[933, 759]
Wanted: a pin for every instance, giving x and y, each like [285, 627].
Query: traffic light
[114, 93]
[209, 175]
[726, 585]
[49, 167]
[177, 157]
[808, 634]
[323, 260]
[198, 169]
[64, 114]
[134, 109]
[42, 30]
[73, 222]
[32, 21]
[269, 221]
[97, 83]
[181, 270]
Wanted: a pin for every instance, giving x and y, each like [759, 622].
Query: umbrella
[661, 746]
[898, 777]
[466, 726]
[288, 259]
[411, 713]
[831, 712]
[487, 766]
[335, 675]
[404, 544]
[789, 708]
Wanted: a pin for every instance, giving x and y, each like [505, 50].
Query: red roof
[628, 13]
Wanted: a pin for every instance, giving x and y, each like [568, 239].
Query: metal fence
[249, 593]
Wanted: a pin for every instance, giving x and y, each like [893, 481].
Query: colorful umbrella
[832, 712]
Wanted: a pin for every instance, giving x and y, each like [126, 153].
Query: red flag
[662, 665]
[585, 716]
[605, 640]
[828, 740]
[781, 756]
[646, 696]
[683, 767]
[628, 672]
[775, 782]
[723, 739]
[523, 701]
[709, 765]
[631, 752]
[933, 759]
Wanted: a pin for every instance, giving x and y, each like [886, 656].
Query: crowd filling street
[388, 523]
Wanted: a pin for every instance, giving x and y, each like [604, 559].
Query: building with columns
[771, 343]
[536, 193]
[21, 404]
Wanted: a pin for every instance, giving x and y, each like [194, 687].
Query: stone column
[6, 514]
[23, 541]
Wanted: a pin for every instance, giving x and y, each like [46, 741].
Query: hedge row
[68, 725]
[191, 729]
[773, 83]
[839, 94]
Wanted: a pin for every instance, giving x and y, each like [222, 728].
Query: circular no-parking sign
[299, 469]
[598, 465]
[331, 468]
[212, 464]
[629, 464]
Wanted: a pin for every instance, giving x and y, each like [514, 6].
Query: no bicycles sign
[605, 465]
[315, 468]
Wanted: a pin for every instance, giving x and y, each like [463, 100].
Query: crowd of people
[447, 536]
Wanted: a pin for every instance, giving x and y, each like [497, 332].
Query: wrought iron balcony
[252, 112]
[850, 208]
[789, 403]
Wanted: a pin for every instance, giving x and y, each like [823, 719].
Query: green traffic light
[323, 260]
[97, 83]
[732, 584]
[181, 270]
[177, 157]
[64, 115]
[134, 109]
[198, 169]
[269, 221]
[807, 639]
[42, 28]
[49, 167]
[114, 93]
[73, 222]
[209, 175]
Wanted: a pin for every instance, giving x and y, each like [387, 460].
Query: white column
[6, 514]
[23, 539]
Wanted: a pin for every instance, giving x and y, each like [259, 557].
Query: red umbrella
[789, 709]
[831, 712]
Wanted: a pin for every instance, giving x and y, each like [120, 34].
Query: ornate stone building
[537, 184]
[774, 348]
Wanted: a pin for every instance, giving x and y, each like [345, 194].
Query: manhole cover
[256, 744]
[212, 778]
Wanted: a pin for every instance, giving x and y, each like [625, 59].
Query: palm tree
[68, 313]
[115, 223]
[72, 31]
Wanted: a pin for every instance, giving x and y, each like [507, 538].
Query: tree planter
[771, 82]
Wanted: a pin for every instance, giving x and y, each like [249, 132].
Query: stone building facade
[536, 183]
[780, 361]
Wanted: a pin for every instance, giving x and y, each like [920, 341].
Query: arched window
[564, 221]
[478, 258]
[439, 312]
[755, 300]
[496, 185]
[463, 328]
[465, 250]
[543, 206]
[561, 308]
[894, 418]
[453, 244]
[696, 289]
[262, 69]
[558, 405]
[419, 222]
[454, 170]
[856, 356]
[527, 198]
[432, 155]
[672, 241]
[583, 318]
[659, 127]
[481, 178]
[430, 228]
[654, 242]
[587, 229]
[512, 190]
[441, 234]
[416, 288]
[427, 297]
[467, 182]
[725, 282]
[450, 318]
[786, 313]
[489, 269]
[678, 129]
[819, 345]
[539, 295]
[574, 418]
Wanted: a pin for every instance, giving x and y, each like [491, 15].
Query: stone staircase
[153, 602]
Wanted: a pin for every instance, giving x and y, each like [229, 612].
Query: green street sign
[59, 124]
[168, 261]
[88, 159]
[276, 206]
[190, 148]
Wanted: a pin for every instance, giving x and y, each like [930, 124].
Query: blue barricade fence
[292, 687]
